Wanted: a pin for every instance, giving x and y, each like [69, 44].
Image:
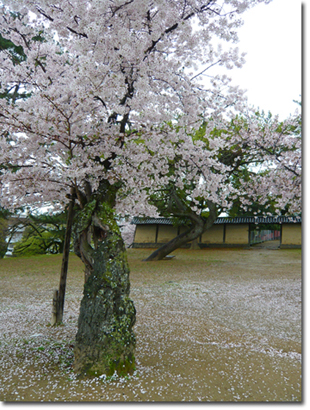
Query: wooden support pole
[54, 308]
[59, 304]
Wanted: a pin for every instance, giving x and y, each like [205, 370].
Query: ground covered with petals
[212, 325]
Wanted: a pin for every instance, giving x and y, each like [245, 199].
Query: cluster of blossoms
[113, 90]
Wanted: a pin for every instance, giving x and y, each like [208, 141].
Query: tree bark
[58, 306]
[105, 340]
[194, 245]
[199, 226]
[176, 243]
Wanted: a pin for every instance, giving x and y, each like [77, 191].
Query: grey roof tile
[224, 220]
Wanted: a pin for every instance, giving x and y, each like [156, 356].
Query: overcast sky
[271, 37]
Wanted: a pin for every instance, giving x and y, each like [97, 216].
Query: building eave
[224, 220]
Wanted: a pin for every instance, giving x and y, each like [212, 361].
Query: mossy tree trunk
[105, 340]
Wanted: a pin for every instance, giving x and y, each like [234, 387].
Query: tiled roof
[224, 220]
[149, 221]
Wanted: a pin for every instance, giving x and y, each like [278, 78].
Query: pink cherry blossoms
[119, 84]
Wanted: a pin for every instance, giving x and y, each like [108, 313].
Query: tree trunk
[105, 341]
[59, 302]
[177, 242]
[194, 245]
[199, 226]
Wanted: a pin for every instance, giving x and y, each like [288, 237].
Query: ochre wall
[166, 233]
[237, 234]
[145, 234]
[213, 235]
[183, 229]
[291, 234]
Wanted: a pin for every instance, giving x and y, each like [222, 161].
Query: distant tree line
[42, 234]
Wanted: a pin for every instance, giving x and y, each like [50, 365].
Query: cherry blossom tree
[102, 81]
[258, 170]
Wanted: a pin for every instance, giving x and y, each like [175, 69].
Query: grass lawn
[212, 325]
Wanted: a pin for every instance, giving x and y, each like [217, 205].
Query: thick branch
[198, 227]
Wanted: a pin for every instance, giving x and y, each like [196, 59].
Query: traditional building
[225, 232]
